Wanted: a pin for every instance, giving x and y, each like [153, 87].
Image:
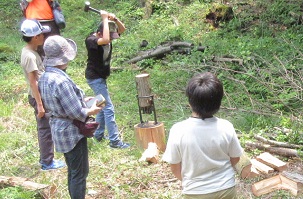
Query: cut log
[266, 186]
[286, 181]
[261, 167]
[274, 150]
[275, 143]
[144, 92]
[269, 160]
[244, 167]
[151, 154]
[150, 132]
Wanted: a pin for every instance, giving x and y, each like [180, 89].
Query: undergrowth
[262, 85]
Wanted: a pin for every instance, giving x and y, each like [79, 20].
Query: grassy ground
[118, 173]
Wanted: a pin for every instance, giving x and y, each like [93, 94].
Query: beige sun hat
[59, 50]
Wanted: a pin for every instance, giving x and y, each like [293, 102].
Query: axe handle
[94, 10]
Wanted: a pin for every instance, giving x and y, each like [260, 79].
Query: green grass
[263, 93]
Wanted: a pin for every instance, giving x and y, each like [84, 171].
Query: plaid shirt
[64, 100]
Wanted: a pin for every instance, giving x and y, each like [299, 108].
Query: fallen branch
[46, 190]
[223, 59]
[164, 48]
[276, 143]
[286, 152]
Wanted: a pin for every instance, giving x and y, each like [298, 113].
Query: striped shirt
[64, 100]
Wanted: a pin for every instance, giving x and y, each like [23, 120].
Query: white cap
[32, 27]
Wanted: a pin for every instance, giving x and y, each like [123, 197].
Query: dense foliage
[259, 45]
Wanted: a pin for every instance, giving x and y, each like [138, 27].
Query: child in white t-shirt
[203, 149]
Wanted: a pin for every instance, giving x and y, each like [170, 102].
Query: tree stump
[150, 132]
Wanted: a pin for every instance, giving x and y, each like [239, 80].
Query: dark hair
[205, 93]
[27, 39]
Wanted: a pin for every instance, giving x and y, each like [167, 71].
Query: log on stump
[286, 152]
[144, 92]
[268, 159]
[150, 132]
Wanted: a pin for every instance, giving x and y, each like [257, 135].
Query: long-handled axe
[87, 8]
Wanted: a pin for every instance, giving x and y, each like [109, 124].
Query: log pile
[273, 147]
[275, 176]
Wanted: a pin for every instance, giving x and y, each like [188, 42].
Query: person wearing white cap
[65, 101]
[99, 50]
[42, 11]
[33, 35]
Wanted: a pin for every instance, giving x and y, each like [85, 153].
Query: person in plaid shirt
[64, 100]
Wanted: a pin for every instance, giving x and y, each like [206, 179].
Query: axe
[87, 8]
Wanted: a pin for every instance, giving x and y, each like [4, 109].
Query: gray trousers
[46, 145]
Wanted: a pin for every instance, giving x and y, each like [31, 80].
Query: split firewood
[286, 152]
[266, 186]
[293, 180]
[276, 143]
[268, 159]
[285, 181]
[263, 168]
[244, 167]
[151, 154]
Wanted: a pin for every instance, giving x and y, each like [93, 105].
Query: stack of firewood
[273, 171]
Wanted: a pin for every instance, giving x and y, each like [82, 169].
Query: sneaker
[119, 145]
[101, 139]
[56, 164]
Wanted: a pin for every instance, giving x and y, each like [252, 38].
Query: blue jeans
[78, 168]
[106, 117]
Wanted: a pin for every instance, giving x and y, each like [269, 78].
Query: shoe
[101, 139]
[56, 164]
[119, 145]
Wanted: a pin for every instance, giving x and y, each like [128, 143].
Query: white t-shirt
[31, 61]
[204, 148]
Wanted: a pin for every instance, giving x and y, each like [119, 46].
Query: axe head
[86, 7]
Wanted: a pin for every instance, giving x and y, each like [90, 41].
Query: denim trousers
[46, 145]
[106, 117]
[78, 168]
